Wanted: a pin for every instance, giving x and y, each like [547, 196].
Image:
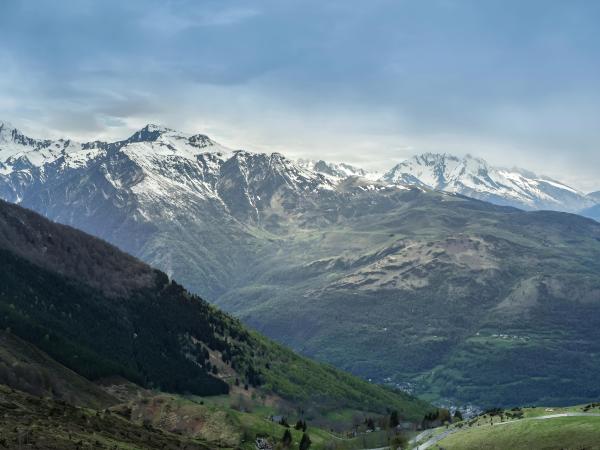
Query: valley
[299, 225]
[397, 283]
[98, 350]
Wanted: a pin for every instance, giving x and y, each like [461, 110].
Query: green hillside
[33, 422]
[118, 414]
[463, 300]
[525, 429]
[149, 330]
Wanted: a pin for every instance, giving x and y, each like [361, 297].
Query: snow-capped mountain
[311, 252]
[157, 183]
[158, 163]
[595, 196]
[336, 171]
[475, 178]
[154, 162]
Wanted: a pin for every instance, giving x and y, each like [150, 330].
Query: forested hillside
[149, 329]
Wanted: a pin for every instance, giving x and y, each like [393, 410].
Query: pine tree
[394, 419]
[305, 442]
[286, 440]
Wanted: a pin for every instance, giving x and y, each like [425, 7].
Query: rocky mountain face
[389, 279]
[132, 191]
[473, 177]
[337, 171]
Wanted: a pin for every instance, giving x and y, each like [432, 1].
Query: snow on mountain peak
[336, 171]
[6, 127]
[150, 133]
[474, 177]
[169, 154]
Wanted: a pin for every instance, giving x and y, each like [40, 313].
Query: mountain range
[408, 278]
[474, 178]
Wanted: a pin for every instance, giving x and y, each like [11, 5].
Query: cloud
[367, 82]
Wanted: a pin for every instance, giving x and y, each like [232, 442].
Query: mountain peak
[474, 177]
[153, 133]
[150, 133]
[4, 125]
[7, 131]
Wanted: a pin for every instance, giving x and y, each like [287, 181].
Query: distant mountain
[432, 291]
[102, 313]
[473, 177]
[158, 183]
[593, 212]
[336, 171]
[595, 196]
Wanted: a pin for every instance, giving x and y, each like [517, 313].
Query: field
[576, 428]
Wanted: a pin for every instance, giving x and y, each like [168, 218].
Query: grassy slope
[216, 422]
[45, 423]
[529, 275]
[556, 433]
[320, 388]
[158, 333]
[531, 431]
[25, 367]
[222, 426]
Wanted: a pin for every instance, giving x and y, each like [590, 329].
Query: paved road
[380, 448]
[435, 439]
[567, 414]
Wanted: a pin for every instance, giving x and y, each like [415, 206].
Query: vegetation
[153, 333]
[575, 427]
[560, 432]
[217, 422]
[443, 295]
[32, 422]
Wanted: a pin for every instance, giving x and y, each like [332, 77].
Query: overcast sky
[369, 82]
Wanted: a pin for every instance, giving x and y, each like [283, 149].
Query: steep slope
[475, 178]
[33, 422]
[102, 313]
[26, 368]
[158, 195]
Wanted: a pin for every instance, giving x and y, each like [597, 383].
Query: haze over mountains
[384, 276]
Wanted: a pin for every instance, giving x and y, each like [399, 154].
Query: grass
[214, 421]
[161, 421]
[526, 434]
[524, 428]
[32, 422]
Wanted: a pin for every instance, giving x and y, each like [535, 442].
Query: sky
[369, 82]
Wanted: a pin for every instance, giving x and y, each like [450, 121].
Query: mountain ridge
[475, 178]
[389, 281]
[468, 175]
